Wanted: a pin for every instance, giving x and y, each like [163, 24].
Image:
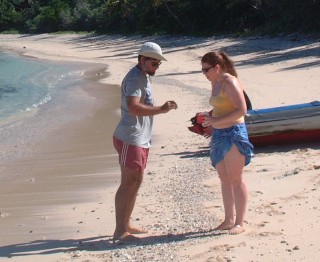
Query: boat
[299, 123]
[292, 124]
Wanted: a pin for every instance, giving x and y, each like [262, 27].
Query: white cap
[153, 50]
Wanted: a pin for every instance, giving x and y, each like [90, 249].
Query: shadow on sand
[101, 243]
[205, 151]
[290, 48]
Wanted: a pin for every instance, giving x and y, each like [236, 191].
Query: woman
[230, 148]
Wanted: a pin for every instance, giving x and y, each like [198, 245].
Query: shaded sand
[179, 202]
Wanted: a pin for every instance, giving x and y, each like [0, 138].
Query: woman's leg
[227, 197]
[234, 163]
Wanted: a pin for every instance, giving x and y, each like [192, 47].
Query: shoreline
[179, 202]
[57, 160]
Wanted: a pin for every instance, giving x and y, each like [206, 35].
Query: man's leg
[132, 200]
[125, 201]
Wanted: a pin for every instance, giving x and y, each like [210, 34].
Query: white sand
[179, 201]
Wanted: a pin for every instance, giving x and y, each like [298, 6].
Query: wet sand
[63, 156]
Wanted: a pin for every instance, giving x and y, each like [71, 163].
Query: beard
[151, 73]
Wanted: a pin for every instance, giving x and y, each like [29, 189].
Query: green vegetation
[193, 17]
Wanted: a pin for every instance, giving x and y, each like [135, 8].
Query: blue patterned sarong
[222, 140]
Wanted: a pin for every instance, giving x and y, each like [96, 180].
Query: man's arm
[137, 108]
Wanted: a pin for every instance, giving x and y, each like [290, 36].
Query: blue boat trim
[284, 108]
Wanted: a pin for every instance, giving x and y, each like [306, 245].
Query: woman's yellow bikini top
[222, 105]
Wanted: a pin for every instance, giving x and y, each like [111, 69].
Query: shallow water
[42, 102]
[26, 83]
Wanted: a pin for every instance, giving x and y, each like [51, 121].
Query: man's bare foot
[125, 238]
[136, 230]
[237, 229]
[224, 226]
[118, 234]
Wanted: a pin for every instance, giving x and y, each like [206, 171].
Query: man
[132, 137]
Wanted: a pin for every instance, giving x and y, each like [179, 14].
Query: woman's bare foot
[237, 229]
[136, 230]
[224, 226]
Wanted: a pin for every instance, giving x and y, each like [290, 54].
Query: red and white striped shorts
[133, 157]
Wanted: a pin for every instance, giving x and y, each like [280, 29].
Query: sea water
[26, 84]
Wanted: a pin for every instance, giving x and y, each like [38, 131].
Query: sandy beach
[57, 188]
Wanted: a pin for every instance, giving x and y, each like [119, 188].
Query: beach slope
[179, 202]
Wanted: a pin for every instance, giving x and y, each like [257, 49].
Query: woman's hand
[200, 117]
[207, 132]
[207, 121]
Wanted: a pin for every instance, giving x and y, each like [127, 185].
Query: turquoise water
[26, 83]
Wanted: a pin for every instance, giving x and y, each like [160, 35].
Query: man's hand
[136, 107]
[167, 106]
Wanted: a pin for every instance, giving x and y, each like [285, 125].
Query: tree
[10, 17]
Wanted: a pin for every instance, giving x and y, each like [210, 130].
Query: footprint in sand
[267, 234]
[262, 224]
[270, 209]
